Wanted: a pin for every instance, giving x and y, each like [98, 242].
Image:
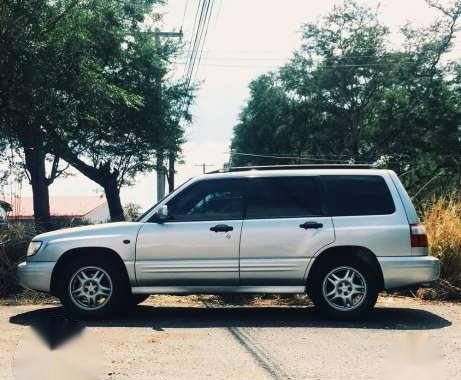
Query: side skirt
[215, 289]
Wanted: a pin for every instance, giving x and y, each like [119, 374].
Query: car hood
[125, 228]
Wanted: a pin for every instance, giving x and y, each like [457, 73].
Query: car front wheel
[92, 288]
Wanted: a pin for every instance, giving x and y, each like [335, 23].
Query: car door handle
[309, 225]
[221, 228]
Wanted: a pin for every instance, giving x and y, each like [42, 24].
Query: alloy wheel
[344, 288]
[90, 288]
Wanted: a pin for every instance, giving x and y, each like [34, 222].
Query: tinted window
[358, 195]
[209, 200]
[284, 197]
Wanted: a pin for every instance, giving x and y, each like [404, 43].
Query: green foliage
[86, 82]
[13, 246]
[132, 212]
[347, 97]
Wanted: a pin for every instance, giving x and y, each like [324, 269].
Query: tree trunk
[35, 163]
[113, 200]
[102, 175]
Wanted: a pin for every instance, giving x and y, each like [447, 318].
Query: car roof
[292, 172]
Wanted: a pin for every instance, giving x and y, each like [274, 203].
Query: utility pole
[204, 166]
[170, 172]
[161, 174]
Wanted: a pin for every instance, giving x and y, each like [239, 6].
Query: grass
[13, 246]
[442, 218]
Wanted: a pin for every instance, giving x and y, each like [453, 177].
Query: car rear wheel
[344, 288]
[92, 288]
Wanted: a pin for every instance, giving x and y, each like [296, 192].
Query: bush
[13, 246]
[442, 218]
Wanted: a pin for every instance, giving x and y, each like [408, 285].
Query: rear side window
[350, 195]
[284, 197]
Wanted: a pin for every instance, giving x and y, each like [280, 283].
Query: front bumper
[409, 271]
[35, 274]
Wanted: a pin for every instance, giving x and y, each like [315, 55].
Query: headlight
[34, 246]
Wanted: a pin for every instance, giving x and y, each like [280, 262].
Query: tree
[264, 124]
[125, 139]
[26, 70]
[353, 99]
[84, 82]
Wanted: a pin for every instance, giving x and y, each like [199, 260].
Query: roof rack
[294, 167]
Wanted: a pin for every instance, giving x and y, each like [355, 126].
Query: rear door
[285, 225]
[367, 211]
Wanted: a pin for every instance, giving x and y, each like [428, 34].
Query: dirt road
[402, 339]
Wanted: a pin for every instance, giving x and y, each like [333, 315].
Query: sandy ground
[180, 338]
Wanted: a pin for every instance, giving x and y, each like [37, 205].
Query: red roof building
[93, 209]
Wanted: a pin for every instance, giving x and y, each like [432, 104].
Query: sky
[246, 38]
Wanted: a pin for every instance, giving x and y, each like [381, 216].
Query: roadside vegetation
[13, 245]
[442, 217]
[87, 84]
[349, 95]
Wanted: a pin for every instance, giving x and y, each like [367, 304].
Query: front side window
[350, 195]
[284, 197]
[219, 199]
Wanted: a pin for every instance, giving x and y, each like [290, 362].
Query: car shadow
[160, 318]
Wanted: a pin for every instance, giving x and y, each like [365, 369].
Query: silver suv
[341, 234]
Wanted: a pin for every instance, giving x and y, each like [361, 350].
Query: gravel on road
[401, 339]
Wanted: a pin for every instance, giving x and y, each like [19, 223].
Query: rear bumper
[408, 271]
[35, 274]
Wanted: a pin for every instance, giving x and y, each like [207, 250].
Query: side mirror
[162, 214]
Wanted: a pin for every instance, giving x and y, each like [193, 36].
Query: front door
[199, 242]
[285, 225]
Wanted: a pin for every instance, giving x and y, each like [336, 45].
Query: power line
[265, 52]
[311, 155]
[184, 14]
[204, 38]
[218, 12]
[367, 65]
[194, 32]
[200, 42]
[312, 158]
[195, 38]
[204, 166]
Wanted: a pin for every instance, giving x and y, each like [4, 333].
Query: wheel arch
[109, 254]
[358, 252]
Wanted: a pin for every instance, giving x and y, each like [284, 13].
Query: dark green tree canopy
[86, 81]
[347, 97]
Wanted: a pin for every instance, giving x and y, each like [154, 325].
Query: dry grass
[442, 218]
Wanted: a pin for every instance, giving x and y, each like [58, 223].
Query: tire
[353, 293]
[93, 288]
[136, 299]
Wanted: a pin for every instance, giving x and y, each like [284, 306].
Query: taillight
[418, 235]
